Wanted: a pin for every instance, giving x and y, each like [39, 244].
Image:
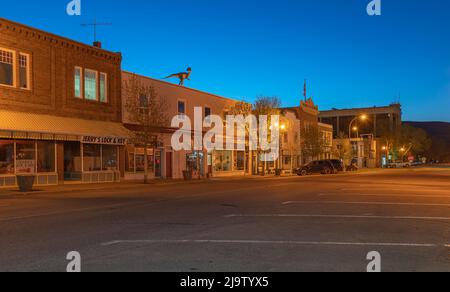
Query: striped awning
[19, 125]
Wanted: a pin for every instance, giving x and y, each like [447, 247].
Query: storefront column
[60, 162]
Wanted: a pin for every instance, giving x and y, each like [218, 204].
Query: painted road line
[362, 203]
[272, 242]
[382, 195]
[337, 217]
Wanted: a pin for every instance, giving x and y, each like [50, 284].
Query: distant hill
[440, 134]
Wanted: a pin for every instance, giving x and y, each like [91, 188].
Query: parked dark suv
[318, 166]
[338, 165]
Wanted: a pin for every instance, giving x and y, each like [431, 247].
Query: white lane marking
[337, 216]
[273, 242]
[362, 203]
[383, 195]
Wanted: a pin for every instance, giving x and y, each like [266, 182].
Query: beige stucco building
[165, 162]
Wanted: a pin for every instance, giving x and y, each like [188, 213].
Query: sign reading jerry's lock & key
[103, 140]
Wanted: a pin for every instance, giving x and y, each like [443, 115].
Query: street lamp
[362, 118]
[282, 128]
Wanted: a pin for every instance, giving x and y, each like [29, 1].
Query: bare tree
[147, 110]
[268, 106]
[343, 147]
[244, 109]
[312, 142]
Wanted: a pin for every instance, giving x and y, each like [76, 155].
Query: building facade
[363, 138]
[307, 119]
[381, 121]
[60, 109]
[164, 162]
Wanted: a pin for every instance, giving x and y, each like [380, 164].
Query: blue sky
[245, 48]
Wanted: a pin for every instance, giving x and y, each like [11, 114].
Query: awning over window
[18, 125]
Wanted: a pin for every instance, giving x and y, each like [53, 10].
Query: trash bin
[26, 182]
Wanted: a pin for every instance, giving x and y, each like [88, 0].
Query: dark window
[6, 68]
[207, 112]
[181, 107]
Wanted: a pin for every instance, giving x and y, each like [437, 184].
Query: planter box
[26, 182]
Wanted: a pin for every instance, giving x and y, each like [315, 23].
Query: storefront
[59, 150]
[135, 162]
[229, 163]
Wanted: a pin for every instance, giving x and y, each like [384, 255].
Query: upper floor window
[6, 67]
[90, 84]
[103, 87]
[181, 107]
[24, 72]
[78, 77]
[207, 112]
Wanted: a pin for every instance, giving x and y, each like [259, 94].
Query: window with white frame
[90, 84]
[24, 71]
[103, 92]
[78, 82]
[6, 67]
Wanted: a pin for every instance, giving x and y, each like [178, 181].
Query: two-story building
[60, 109]
[163, 161]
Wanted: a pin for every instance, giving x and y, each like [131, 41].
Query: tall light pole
[362, 118]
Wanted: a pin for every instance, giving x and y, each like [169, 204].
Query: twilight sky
[245, 48]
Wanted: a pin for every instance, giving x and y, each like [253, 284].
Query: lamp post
[282, 129]
[362, 118]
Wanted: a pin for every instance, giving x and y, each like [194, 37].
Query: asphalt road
[319, 223]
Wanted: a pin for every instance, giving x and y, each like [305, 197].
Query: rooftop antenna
[95, 24]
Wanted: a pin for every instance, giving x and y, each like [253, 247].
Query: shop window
[103, 87]
[6, 157]
[25, 157]
[90, 84]
[78, 77]
[109, 156]
[140, 160]
[222, 161]
[72, 158]
[24, 72]
[45, 156]
[6, 67]
[92, 157]
[239, 160]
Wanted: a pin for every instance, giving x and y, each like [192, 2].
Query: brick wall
[53, 60]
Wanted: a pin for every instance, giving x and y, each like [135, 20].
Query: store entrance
[72, 161]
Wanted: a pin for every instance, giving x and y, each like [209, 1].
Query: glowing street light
[362, 117]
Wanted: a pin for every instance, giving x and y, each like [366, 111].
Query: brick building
[60, 108]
